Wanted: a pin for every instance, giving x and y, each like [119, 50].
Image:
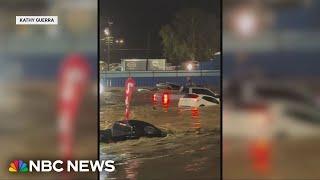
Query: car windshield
[184, 90]
[173, 86]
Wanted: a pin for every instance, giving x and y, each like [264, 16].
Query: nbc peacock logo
[18, 166]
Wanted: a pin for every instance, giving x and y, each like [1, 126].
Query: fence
[150, 78]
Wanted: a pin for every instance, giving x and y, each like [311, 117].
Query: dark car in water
[168, 85]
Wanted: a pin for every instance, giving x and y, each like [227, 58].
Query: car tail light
[165, 98]
[154, 98]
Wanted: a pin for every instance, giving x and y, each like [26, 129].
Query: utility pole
[148, 53]
[109, 41]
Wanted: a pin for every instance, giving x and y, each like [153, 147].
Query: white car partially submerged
[199, 91]
[197, 100]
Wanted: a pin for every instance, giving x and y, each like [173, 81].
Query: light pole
[107, 33]
[109, 39]
[249, 21]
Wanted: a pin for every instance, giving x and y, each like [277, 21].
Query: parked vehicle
[199, 91]
[115, 67]
[168, 85]
[195, 100]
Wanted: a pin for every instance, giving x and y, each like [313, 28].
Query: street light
[189, 67]
[246, 21]
[119, 41]
[107, 31]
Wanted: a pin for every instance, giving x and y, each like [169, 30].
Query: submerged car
[199, 91]
[195, 100]
[132, 129]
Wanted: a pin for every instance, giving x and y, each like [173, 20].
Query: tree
[192, 35]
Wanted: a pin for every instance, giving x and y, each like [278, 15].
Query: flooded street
[190, 151]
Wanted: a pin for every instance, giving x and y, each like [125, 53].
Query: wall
[149, 79]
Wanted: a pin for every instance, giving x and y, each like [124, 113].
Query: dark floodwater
[190, 151]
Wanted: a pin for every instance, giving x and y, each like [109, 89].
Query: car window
[190, 96]
[210, 99]
[185, 90]
[304, 115]
[284, 94]
[174, 86]
[203, 91]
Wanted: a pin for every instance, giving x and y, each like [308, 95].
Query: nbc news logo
[18, 166]
[57, 166]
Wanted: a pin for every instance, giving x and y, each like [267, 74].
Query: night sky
[133, 20]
